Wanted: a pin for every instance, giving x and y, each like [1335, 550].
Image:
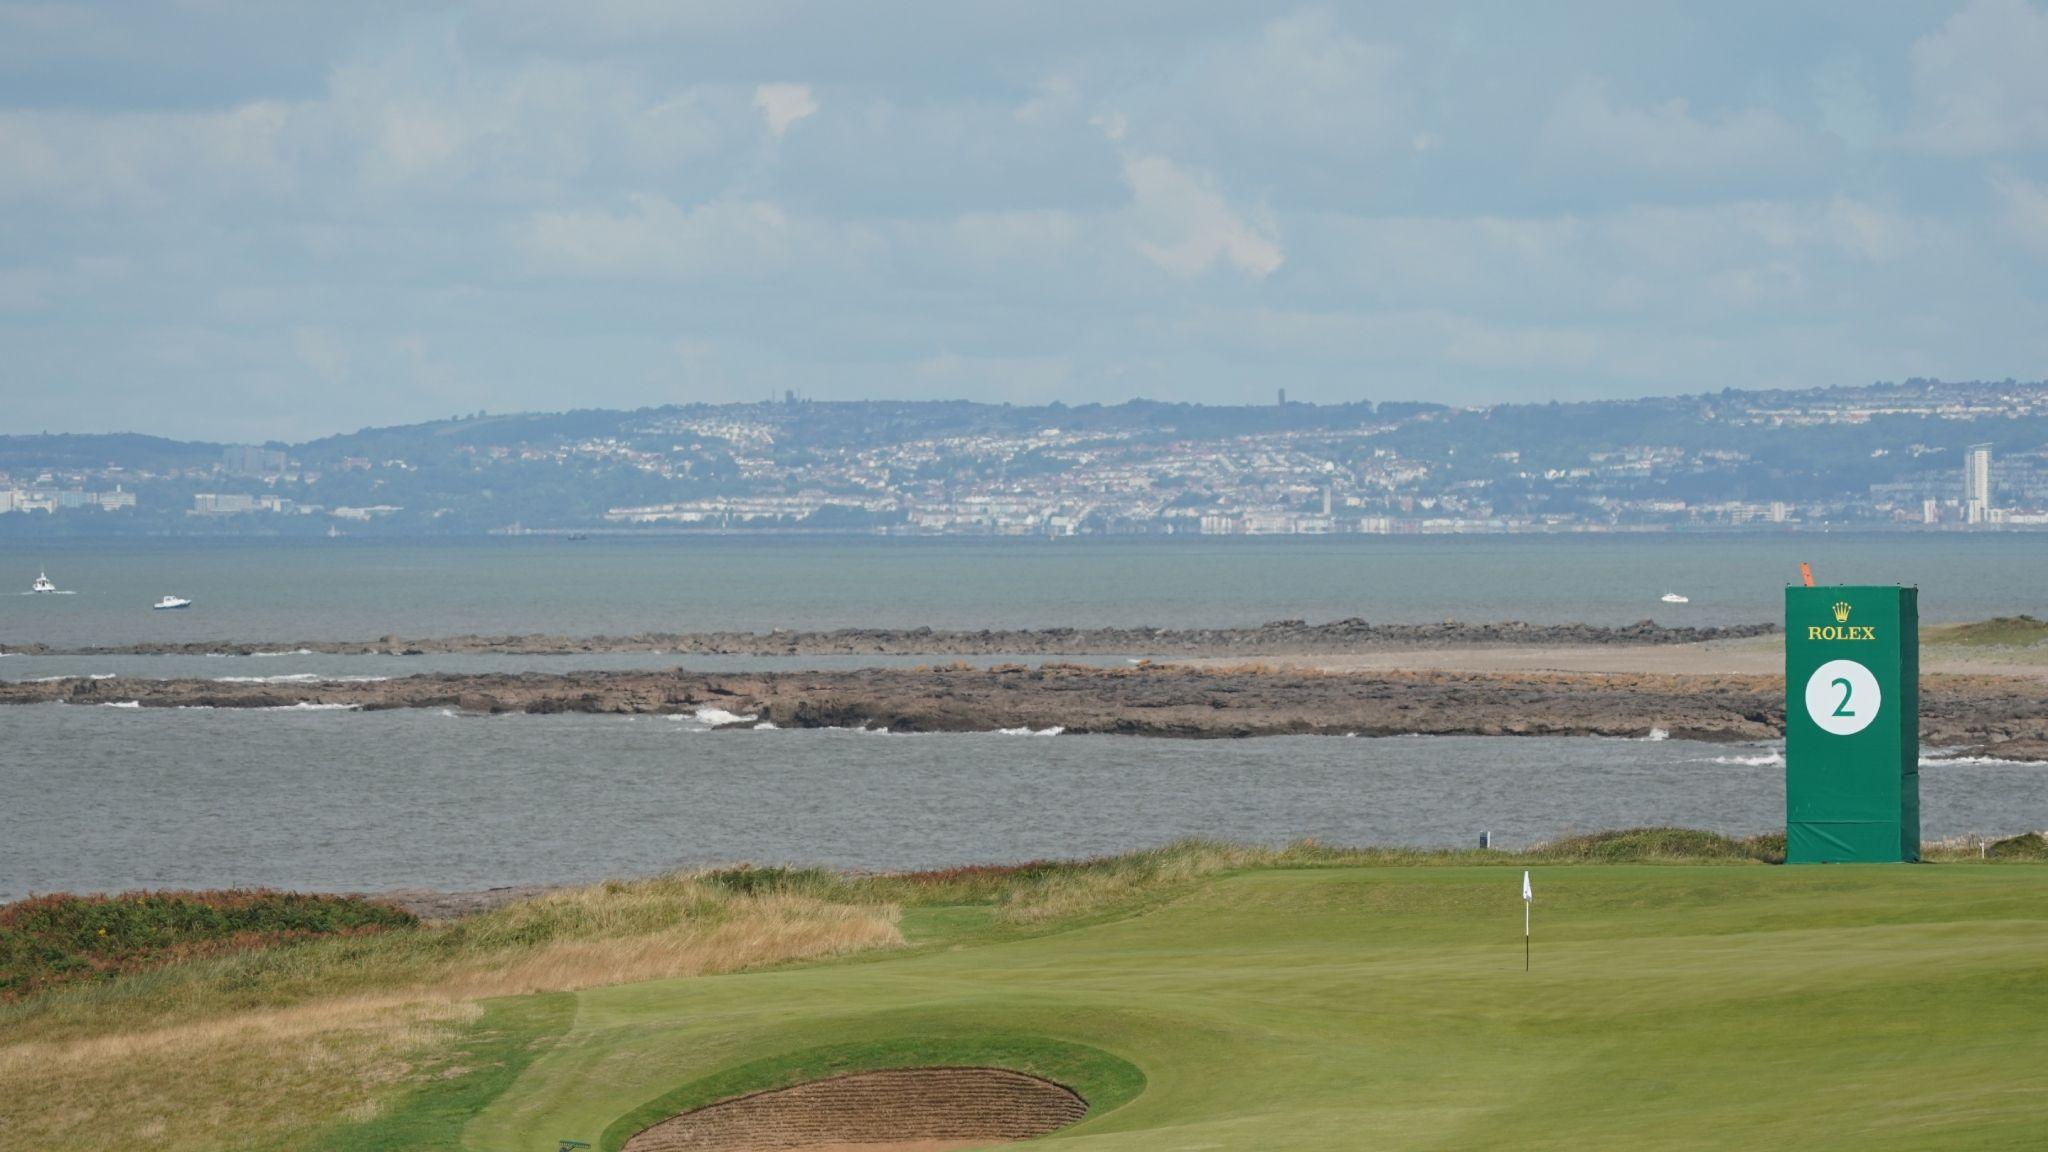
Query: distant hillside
[1881, 455]
[119, 449]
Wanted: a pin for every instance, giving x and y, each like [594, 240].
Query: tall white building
[1977, 484]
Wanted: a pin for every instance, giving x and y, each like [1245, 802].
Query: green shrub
[1660, 844]
[51, 940]
[2031, 846]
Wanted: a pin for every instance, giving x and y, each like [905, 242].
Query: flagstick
[1528, 899]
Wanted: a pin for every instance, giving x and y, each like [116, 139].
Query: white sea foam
[122, 704]
[765, 726]
[1766, 760]
[1776, 759]
[1052, 731]
[717, 716]
[102, 676]
[1658, 734]
[309, 706]
[293, 652]
[299, 678]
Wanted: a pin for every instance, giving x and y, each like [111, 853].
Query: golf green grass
[1852, 1007]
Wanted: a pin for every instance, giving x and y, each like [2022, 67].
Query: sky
[264, 219]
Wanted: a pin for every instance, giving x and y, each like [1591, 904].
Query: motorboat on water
[43, 583]
[1674, 598]
[171, 602]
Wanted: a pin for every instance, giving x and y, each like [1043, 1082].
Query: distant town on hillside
[1921, 455]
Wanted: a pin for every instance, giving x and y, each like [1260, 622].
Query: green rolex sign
[1852, 724]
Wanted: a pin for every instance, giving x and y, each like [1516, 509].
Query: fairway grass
[1851, 1007]
[1684, 994]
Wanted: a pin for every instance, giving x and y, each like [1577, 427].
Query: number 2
[1842, 708]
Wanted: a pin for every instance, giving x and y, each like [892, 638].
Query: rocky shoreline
[1979, 714]
[1280, 637]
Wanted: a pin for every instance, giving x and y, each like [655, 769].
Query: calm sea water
[100, 798]
[353, 590]
[106, 798]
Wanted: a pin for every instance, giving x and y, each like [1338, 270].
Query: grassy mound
[1998, 632]
[46, 941]
[266, 1047]
[2031, 846]
[1662, 845]
[428, 1037]
[1303, 1009]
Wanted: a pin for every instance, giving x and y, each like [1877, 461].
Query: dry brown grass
[262, 1051]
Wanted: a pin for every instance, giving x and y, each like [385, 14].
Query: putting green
[1862, 1008]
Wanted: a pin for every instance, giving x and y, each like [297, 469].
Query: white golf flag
[1528, 902]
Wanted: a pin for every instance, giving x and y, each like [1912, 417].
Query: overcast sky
[244, 220]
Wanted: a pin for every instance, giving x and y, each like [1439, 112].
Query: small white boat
[43, 583]
[171, 602]
[1674, 598]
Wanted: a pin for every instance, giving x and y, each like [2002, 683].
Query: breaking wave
[1764, 760]
[300, 678]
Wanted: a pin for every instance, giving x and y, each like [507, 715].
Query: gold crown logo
[1841, 612]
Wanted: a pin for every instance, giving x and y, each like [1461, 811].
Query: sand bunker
[899, 1110]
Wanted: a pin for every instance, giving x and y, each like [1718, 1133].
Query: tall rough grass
[47, 941]
[260, 1048]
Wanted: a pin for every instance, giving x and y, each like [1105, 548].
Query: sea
[97, 798]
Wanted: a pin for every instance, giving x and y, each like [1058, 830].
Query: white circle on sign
[1842, 697]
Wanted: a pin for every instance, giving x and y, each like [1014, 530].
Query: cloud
[1406, 336]
[2025, 211]
[1638, 262]
[1307, 79]
[601, 24]
[22, 290]
[1298, 84]
[1183, 224]
[1057, 97]
[1867, 231]
[1588, 127]
[1848, 107]
[1025, 379]
[143, 157]
[1009, 239]
[322, 351]
[782, 105]
[1980, 84]
[656, 238]
[296, 195]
